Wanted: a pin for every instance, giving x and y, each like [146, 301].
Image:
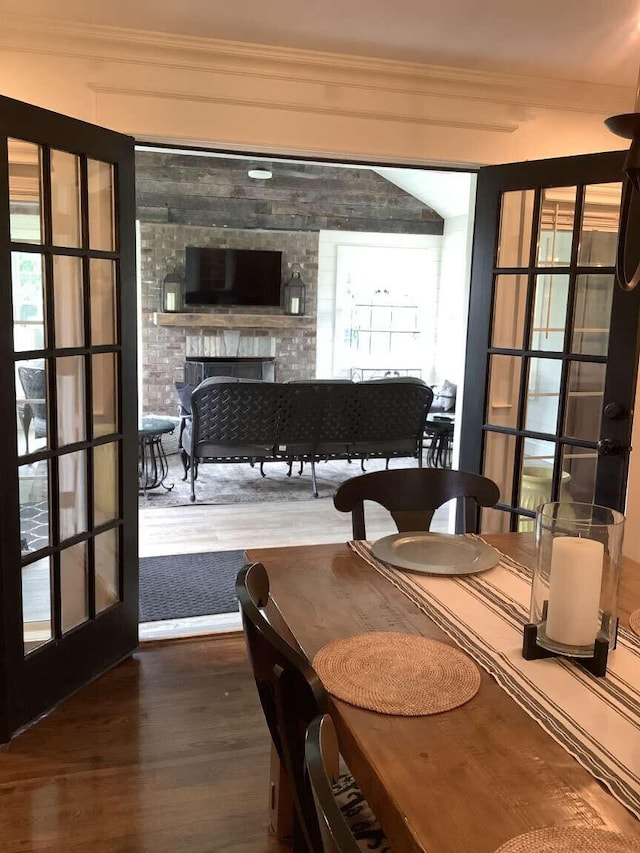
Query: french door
[552, 347]
[68, 490]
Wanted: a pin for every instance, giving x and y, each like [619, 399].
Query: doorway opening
[383, 257]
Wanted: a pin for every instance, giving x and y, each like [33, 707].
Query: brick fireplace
[204, 332]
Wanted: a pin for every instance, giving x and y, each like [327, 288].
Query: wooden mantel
[233, 321]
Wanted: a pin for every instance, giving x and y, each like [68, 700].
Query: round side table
[152, 460]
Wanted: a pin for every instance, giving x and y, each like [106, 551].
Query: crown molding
[270, 104]
[193, 53]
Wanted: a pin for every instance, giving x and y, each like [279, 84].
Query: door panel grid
[83, 387]
[544, 308]
[546, 397]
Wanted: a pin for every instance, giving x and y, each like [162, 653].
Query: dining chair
[412, 495]
[275, 663]
[291, 695]
[332, 798]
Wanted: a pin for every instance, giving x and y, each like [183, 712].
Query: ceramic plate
[436, 553]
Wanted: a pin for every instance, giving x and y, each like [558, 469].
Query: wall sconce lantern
[294, 293]
[627, 126]
[172, 291]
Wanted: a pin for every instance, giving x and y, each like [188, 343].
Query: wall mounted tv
[232, 276]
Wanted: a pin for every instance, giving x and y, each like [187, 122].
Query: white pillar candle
[295, 304]
[574, 590]
[171, 302]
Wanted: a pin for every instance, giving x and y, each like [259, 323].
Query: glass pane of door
[543, 395]
[509, 308]
[549, 312]
[600, 223]
[579, 464]
[70, 389]
[516, 219]
[504, 384]
[28, 289]
[74, 586]
[107, 550]
[101, 200]
[33, 482]
[37, 612]
[25, 191]
[31, 405]
[102, 289]
[65, 199]
[72, 477]
[68, 301]
[585, 394]
[499, 459]
[592, 314]
[555, 235]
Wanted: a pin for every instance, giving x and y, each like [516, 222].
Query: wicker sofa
[236, 420]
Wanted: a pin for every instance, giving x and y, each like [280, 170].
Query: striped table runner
[597, 720]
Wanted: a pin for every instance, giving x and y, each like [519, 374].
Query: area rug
[184, 585]
[220, 483]
[34, 526]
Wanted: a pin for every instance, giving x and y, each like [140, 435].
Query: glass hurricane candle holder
[574, 594]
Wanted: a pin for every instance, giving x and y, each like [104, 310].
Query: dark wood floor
[167, 752]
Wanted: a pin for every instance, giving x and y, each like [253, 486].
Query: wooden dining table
[463, 781]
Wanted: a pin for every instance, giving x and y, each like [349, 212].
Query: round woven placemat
[555, 839]
[634, 621]
[394, 673]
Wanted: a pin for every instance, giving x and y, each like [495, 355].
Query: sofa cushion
[184, 396]
[444, 397]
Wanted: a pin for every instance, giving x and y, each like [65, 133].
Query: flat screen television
[232, 276]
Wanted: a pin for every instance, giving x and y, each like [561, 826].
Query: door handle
[610, 447]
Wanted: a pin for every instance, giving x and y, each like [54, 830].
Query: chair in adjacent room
[291, 695]
[439, 427]
[33, 408]
[412, 495]
[322, 757]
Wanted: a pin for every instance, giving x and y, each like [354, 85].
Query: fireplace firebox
[197, 368]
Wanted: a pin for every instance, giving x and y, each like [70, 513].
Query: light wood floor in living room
[201, 527]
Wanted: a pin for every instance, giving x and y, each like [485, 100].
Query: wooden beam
[233, 321]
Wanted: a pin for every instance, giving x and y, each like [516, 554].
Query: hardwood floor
[167, 752]
[274, 524]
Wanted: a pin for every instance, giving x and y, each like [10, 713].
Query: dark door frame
[31, 685]
[622, 365]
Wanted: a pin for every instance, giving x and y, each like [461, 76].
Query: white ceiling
[593, 40]
[448, 193]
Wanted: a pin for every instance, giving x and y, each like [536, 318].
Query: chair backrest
[290, 692]
[412, 495]
[33, 381]
[234, 412]
[392, 409]
[322, 758]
